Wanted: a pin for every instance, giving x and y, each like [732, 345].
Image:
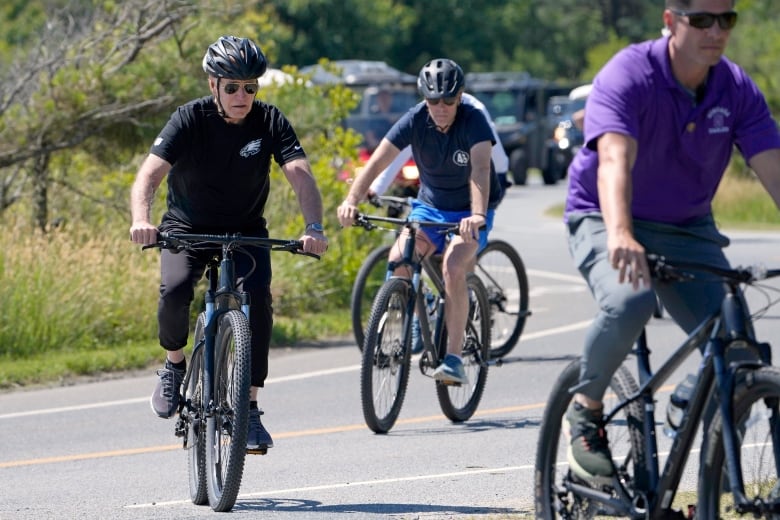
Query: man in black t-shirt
[216, 152]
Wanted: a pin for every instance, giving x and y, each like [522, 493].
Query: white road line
[318, 373]
[350, 484]
[351, 368]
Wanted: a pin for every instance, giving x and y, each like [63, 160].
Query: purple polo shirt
[683, 146]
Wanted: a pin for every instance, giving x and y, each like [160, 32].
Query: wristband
[480, 214]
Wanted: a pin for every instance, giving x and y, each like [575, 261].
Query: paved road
[96, 451]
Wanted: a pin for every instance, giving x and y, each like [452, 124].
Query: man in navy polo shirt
[660, 126]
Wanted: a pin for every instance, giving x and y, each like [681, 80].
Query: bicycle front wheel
[228, 424]
[757, 426]
[459, 402]
[384, 372]
[196, 419]
[501, 269]
[369, 279]
[552, 495]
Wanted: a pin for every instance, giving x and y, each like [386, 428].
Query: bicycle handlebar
[190, 241]
[389, 200]
[665, 270]
[366, 221]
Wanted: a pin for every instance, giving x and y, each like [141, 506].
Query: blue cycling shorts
[422, 212]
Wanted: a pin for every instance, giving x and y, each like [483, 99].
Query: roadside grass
[740, 203]
[80, 303]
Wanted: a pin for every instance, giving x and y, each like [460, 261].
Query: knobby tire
[196, 424]
[458, 403]
[369, 279]
[755, 409]
[227, 427]
[384, 371]
[501, 269]
[626, 440]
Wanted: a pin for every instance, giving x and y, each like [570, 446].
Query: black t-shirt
[220, 180]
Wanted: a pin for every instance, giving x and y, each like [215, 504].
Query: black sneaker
[259, 440]
[165, 399]
[588, 453]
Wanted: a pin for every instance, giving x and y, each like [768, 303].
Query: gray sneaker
[165, 399]
[259, 440]
[451, 371]
[588, 452]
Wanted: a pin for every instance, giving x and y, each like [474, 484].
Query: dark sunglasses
[449, 101]
[249, 88]
[701, 20]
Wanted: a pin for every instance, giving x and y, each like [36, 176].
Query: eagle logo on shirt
[251, 148]
[460, 158]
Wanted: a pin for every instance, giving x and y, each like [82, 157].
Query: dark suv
[385, 93]
[517, 103]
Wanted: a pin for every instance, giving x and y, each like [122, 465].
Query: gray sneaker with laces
[588, 453]
[165, 399]
[451, 371]
[258, 440]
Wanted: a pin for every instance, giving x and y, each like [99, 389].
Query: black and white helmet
[440, 78]
[231, 57]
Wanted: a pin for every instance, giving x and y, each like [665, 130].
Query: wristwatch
[315, 226]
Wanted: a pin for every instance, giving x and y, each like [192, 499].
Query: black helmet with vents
[231, 57]
[440, 78]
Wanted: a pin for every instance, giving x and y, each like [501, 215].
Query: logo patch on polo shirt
[251, 148]
[460, 158]
[717, 119]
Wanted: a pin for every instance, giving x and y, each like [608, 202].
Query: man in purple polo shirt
[660, 125]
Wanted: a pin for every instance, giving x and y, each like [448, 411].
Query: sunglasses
[249, 88]
[701, 20]
[449, 101]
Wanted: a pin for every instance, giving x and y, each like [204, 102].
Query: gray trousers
[623, 311]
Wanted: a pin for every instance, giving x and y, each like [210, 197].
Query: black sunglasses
[249, 88]
[449, 101]
[702, 20]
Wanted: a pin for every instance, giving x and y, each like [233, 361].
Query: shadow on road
[280, 505]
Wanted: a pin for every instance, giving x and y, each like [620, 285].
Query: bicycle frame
[728, 328]
[221, 276]
[431, 343]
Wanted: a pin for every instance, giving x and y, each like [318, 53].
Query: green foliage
[102, 88]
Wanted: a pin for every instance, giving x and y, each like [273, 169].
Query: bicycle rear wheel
[228, 425]
[458, 403]
[369, 279]
[196, 420]
[384, 372]
[552, 495]
[757, 416]
[501, 269]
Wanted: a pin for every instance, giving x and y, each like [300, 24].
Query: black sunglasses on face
[702, 20]
[449, 101]
[249, 88]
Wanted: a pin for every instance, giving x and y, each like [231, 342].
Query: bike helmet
[234, 58]
[440, 78]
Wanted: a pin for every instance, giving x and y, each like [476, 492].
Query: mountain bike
[736, 397]
[499, 266]
[213, 413]
[386, 359]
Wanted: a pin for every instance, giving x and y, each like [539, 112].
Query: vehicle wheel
[458, 403]
[757, 415]
[196, 419]
[626, 441]
[502, 271]
[228, 426]
[384, 371]
[518, 164]
[369, 279]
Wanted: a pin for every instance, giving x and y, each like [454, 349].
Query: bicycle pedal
[450, 383]
[256, 451]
